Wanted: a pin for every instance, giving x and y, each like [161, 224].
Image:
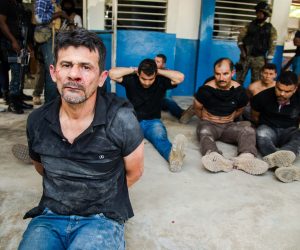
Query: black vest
[257, 39]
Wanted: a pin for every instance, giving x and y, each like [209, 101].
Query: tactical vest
[257, 39]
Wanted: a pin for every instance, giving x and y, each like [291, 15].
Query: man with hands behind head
[145, 89]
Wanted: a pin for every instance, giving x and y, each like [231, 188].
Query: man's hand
[16, 47]
[176, 77]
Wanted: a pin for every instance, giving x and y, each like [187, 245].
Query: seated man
[268, 75]
[145, 89]
[168, 104]
[217, 104]
[87, 151]
[267, 80]
[276, 111]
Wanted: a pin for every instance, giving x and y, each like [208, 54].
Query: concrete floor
[193, 209]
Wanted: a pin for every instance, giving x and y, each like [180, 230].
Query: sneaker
[187, 115]
[37, 100]
[288, 174]
[281, 158]
[20, 151]
[177, 153]
[250, 164]
[216, 162]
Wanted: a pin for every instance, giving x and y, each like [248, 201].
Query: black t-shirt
[220, 102]
[88, 176]
[266, 104]
[13, 12]
[146, 101]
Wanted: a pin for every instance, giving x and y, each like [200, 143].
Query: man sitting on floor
[267, 80]
[277, 110]
[217, 104]
[145, 89]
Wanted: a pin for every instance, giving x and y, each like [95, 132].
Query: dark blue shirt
[88, 176]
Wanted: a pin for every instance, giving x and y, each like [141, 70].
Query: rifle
[24, 56]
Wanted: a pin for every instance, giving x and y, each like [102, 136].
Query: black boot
[25, 97]
[25, 105]
[6, 97]
[14, 105]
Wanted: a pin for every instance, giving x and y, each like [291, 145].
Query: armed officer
[257, 41]
[12, 20]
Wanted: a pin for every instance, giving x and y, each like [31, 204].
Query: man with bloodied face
[88, 146]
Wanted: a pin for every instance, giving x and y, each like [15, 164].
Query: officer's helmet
[264, 7]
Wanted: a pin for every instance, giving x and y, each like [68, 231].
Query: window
[230, 16]
[138, 14]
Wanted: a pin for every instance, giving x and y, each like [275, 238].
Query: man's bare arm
[134, 165]
[38, 167]
[117, 73]
[198, 107]
[254, 116]
[176, 77]
[5, 30]
[238, 112]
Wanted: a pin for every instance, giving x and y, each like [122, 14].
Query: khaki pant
[238, 133]
[253, 63]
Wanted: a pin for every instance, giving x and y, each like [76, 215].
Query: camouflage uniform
[254, 61]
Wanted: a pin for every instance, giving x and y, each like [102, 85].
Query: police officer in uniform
[257, 41]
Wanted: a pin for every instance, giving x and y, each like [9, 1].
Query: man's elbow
[180, 78]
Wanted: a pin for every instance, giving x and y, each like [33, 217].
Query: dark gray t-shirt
[88, 176]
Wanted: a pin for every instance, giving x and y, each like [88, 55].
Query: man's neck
[268, 85]
[78, 111]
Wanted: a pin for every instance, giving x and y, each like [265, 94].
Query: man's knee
[264, 132]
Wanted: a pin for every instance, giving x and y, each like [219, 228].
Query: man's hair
[288, 78]
[221, 60]
[148, 67]
[163, 57]
[270, 66]
[77, 38]
[63, 2]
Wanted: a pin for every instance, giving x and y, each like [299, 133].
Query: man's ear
[52, 72]
[102, 78]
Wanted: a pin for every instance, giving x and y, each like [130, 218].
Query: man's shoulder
[39, 114]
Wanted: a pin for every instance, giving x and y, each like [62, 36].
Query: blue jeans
[168, 104]
[50, 231]
[50, 86]
[270, 140]
[156, 133]
[15, 82]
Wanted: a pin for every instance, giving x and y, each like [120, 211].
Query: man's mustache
[73, 85]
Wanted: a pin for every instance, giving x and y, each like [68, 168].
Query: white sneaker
[177, 153]
[250, 164]
[216, 162]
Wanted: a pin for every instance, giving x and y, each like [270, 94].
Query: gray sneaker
[281, 158]
[216, 162]
[177, 153]
[250, 164]
[187, 115]
[288, 174]
[20, 151]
